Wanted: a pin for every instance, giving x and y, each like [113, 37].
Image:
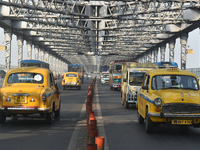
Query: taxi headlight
[157, 102]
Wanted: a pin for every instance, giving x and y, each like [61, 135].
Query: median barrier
[94, 141]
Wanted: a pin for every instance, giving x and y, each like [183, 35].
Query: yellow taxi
[29, 90]
[70, 80]
[169, 96]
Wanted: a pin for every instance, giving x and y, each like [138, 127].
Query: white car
[105, 79]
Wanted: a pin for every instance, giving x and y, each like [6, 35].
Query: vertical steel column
[171, 50]
[36, 47]
[46, 57]
[162, 53]
[20, 42]
[8, 38]
[54, 66]
[41, 55]
[51, 63]
[183, 40]
[29, 49]
[58, 66]
[149, 56]
[155, 55]
[145, 58]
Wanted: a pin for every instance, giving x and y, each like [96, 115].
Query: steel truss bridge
[93, 33]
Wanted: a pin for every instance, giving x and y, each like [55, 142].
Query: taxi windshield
[71, 75]
[135, 78]
[106, 76]
[174, 82]
[25, 77]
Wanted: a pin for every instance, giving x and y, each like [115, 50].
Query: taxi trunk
[27, 96]
[71, 81]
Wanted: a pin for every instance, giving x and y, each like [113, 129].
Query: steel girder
[111, 29]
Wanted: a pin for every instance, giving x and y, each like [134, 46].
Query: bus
[115, 71]
[34, 63]
[167, 64]
[77, 68]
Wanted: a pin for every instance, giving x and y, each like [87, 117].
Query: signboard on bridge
[189, 51]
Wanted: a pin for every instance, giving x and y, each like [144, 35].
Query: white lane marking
[74, 139]
[99, 117]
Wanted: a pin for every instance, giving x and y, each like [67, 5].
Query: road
[122, 131]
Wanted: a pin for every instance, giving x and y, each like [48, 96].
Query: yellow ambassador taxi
[169, 96]
[70, 80]
[29, 90]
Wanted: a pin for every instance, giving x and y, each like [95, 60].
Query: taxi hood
[178, 96]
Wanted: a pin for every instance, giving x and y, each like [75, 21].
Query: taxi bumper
[163, 115]
[35, 109]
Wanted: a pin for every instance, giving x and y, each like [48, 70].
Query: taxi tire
[122, 100]
[57, 113]
[79, 88]
[49, 118]
[2, 117]
[63, 87]
[126, 104]
[140, 118]
[148, 123]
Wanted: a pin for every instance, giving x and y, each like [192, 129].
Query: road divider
[94, 141]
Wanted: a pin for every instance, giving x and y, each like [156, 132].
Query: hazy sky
[192, 59]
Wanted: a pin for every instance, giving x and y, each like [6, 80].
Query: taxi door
[55, 94]
[143, 96]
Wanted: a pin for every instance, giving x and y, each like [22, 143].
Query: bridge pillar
[58, 66]
[155, 53]
[183, 40]
[51, 63]
[8, 38]
[54, 66]
[162, 53]
[20, 42]
[29, 49]
[149, 56]
[41, 55]
[171, 50]
[46, 59]
[36, 47]
[145, 58]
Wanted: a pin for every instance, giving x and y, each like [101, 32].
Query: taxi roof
[71, 72]
[169, 71]
[28, 69]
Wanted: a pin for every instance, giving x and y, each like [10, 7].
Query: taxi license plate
[20, 99]
[182, 122]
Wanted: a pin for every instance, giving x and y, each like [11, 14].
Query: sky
[191, 62]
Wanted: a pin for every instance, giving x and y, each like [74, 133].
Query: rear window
[25, 77]
[71, 75]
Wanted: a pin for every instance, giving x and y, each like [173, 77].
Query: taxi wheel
[79, 88]
[49, 118]
[2, 117]
[140, 118]
[57, 113]
[148, 123]
[122, 100]
[63, 87]
[126, 104]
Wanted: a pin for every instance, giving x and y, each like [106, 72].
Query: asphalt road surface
[118, 125]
